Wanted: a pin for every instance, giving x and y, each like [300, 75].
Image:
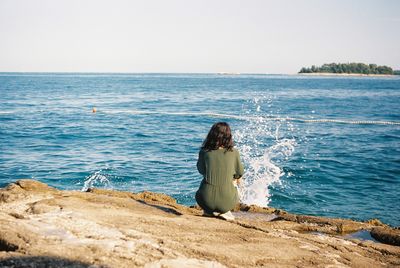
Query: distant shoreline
[345, 74]
[210, 73]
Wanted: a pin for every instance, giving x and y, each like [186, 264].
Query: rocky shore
[41, 226]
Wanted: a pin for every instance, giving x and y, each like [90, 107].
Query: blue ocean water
[311, 145]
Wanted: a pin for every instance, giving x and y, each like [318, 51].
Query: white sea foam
[262, 144]
[96, 179]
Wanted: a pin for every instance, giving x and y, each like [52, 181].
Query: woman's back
[220, 166]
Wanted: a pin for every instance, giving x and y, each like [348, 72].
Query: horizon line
[93, 72]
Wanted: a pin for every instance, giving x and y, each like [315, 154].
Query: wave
[97, 179]
[240, 117]
[252, 118]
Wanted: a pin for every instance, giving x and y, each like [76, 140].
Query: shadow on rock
[44, 262]
[162, 208]
[386, 235]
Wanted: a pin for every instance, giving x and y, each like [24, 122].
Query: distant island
[350, 68]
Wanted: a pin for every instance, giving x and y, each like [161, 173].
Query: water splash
[97, 179]
[263, 144]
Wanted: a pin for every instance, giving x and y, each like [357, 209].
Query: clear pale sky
[253, 36]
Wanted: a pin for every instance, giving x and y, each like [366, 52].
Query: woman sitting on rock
[220, 165]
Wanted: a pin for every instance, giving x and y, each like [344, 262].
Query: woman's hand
[236, 182]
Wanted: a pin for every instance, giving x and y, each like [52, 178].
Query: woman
[220, 165]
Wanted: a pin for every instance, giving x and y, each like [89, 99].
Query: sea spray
[97, 179]
[263, 144]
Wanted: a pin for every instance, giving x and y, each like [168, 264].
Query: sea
[327, 146]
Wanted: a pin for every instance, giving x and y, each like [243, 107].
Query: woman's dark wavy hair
[219, 136]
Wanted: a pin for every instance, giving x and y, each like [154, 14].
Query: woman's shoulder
[203, 151]
[232, 151]
[221, 150]
[236, 151]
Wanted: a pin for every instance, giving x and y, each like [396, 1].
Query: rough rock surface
[43, 227]
[386, 235]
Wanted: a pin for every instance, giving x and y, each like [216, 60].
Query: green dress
[219, 168]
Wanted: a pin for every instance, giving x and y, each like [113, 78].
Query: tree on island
[349, 68]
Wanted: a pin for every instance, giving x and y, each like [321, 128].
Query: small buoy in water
[94, 110]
